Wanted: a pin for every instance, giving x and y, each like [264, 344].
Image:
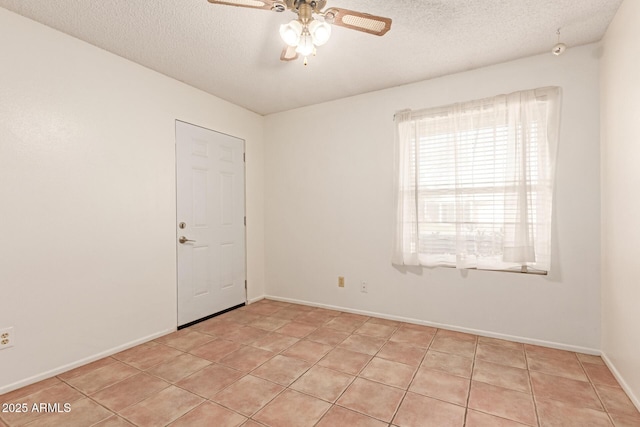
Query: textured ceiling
[234, 53]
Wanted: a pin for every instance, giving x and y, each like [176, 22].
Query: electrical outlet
[7, 338]
[340, 282]
[363, 287]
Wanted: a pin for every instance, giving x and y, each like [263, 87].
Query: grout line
[473, 366]
[533, 397]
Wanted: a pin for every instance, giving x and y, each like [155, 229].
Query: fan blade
[254, 4]
[288, 53]
[359, 21]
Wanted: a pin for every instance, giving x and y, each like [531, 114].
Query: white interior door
[211, 225]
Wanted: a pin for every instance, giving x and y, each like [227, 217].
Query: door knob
[183, 239]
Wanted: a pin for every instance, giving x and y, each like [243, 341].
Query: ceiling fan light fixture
[291, 33]
[320, 32]
[305, 46]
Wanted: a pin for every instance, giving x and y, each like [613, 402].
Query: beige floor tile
[339, 416]
[269, 323]
[217, 326]
[102, 377]
[458, 336]
[248, 395]
[147, 355]
[327, 336]
[210, 380]
[503, 343]
[480, 419]
[347, 361]
[162, 408]
[60, 393]
[84, 412]
[600, 374]
[616, 401]
[388, 372]
[307, 350]
[282, 370]
[420, 328]
[449, 363]
[323, 383]
[553, 413]
[14, 396]
[344, 324]
[292, 409]
[215, 350]
[588, 358]
[113, 421]
[402, 353]
[239, 316]
[453, 345]
[410, 335]
[568, 368]
[275, 342]
[376, 330]
[296, 329]
[381, 321]
[362, 344]
[502, 376]
[502, 355]
[502, 403]
[573, 392]
[185, 339]
[129, 391]
[536, 350]
[263, 309]
[245, 334]
[209, 414]
[420, 411]
[87, 368]
[179, 368]
[625, 420]
[373, 399]
[246, 359]
[442, 386]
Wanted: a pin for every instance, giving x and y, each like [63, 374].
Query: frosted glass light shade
[305, 46]
[320, 32]
[291, 32]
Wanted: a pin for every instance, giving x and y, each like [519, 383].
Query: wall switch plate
[7, 338]
[340, 282]
[364, 287]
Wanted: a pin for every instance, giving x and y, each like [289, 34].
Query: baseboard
[256, 299]
[81, 362]
[483, 333]
[634, 399]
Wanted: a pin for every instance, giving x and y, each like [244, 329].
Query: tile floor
[278, 364]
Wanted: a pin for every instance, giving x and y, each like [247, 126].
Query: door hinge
[245, 285]
[245, 221]
[244, 157]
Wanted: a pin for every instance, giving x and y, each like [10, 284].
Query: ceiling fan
[312, 28]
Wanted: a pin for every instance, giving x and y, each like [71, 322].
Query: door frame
[175, 218]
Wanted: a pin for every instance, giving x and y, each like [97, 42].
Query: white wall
[620, 93]
[329, 210]
[87, 198]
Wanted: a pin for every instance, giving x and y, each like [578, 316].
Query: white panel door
[210, 222]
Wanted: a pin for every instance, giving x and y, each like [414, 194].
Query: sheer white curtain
[474, 182]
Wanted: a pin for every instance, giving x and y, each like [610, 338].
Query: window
[474, 182]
